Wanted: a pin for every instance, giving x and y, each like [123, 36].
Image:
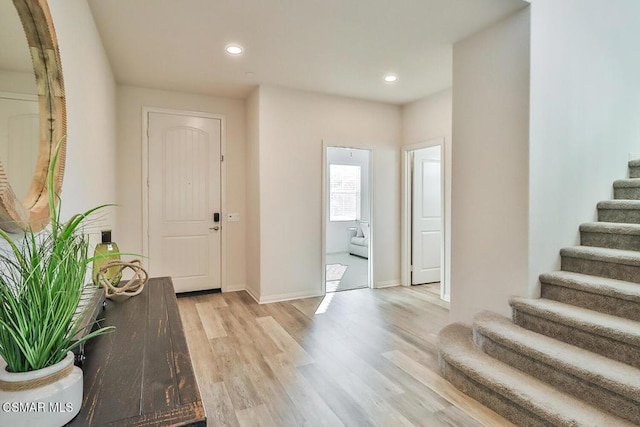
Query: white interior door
[184, 194]
[426, 215]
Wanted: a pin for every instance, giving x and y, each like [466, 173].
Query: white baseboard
[288, 296]
[252, 294]
[386, 284]
[234, 288]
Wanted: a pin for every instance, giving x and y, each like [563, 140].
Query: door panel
[426, 216]
[184, 193]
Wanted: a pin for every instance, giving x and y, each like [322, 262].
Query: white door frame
[145, 182]
[405, 252]
[325, 145]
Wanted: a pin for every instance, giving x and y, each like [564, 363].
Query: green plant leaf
[41, 280]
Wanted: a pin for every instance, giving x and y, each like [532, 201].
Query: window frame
[357, 192]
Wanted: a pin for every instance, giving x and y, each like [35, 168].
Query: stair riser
[608, 347]
[627, 216]
[634, 172]
[489, 398]
[629, 273]
[584, 390]
[596, 302]
[608, 240]
[626, 193]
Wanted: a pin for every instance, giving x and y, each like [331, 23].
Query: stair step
[519, 397]
[611, 235]
[610, 385]
[634, 168]
[626, 189]
[616, 297]
[603, 262]
[601, 333]
[627, 211]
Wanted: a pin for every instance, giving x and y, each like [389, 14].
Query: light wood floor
[369, 359]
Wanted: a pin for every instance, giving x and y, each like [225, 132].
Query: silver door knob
[214, 228]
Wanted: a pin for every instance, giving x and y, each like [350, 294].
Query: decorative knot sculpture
[132, 287]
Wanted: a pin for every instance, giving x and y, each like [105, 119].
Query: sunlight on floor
[324, 305]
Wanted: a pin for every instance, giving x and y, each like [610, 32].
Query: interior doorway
[347, 219]
[424, 215]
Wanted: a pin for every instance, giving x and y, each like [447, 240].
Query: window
[344, 187]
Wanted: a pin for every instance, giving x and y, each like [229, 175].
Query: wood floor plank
[280, 406]
[210, 320]
[290, 348]
[218, 406]
[215, 300]
[420, 411]
[453, 416]
[381, 413]
[340, 402]
[428, 297]
[369, 359]
[441, 386]
[338, 359]
[241, 389]
[255, 417]
[303, 394]
[188, 314]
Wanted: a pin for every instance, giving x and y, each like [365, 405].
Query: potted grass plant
[42, 276]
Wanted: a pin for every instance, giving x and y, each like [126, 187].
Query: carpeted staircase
[571, 357]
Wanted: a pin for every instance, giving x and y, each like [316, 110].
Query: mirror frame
[33, 212]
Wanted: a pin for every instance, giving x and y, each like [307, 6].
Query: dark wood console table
[141, 374]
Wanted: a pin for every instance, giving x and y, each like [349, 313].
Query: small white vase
[52, 405]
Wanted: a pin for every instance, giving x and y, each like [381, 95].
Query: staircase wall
[489, 195]
[585, 101]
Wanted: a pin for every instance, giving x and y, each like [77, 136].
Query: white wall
[293, 125]
[489, 213]
[337, 236]
[423, 120]
[90, 172]
[427, 118]
[585, 109]
[130, 101]
[252, 108]
[17, 82]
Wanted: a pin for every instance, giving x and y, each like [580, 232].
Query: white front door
[426, 216]
[184, 195]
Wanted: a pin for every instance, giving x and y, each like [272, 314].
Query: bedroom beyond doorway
[347, 219]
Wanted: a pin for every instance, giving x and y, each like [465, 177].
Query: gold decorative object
[132, 287]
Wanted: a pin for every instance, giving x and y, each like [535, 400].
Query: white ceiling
[341, 47]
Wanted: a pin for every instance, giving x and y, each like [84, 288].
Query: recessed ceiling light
[234, 49]
[390, 78]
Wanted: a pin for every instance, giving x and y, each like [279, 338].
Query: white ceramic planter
[52, 405]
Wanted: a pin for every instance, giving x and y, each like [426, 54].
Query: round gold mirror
[31, 210]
